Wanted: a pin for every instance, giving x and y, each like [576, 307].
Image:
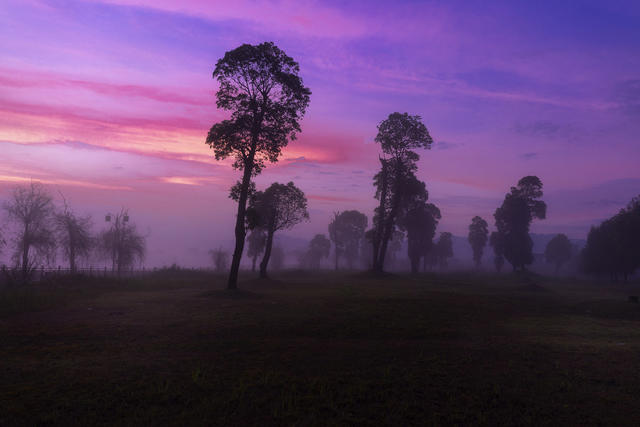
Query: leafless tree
[74, 235]
[121, 242]
[30, 208]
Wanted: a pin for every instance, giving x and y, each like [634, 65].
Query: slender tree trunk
[267, 255]
[253, 264]
[240, 230]
[336, 256]
[377, 234]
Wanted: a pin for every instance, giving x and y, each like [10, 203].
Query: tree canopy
[261, 87]
[398, 135]
[513, 219]
[279, 207]
[558, 251]
[346, 230]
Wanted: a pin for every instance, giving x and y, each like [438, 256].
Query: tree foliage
[497, 243]
[558, 251]
[613, 247]
[31, 210]
[257, 241]
[444, 249]
[74, 235]
[346, 231]
[261, 87]
[319, 248]
[398, 135]
[513, 219]
[419, 220]
[122, 243]
[279, 207]
[478, 236]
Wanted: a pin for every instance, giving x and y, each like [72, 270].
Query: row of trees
[266, 99]
[37, 228]
[613, 247]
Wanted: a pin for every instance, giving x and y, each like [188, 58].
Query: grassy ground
[320, 348]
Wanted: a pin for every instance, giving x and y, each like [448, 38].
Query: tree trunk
[267, 255]
[336, 256]
[240, 231]
[415, 264]
[253, 264]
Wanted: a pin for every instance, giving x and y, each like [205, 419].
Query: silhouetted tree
[419, 219]
[121, 242]
[478, 236]
[398, 136]
[497, 242]
[220, 259]
[257, 241]
[319, 248]
[31, 209]
[346, 230]
[444, 249]
[558, 251]
[613, 247]
[279, 207]
[74, 235]
[514, 217]
[261, 88]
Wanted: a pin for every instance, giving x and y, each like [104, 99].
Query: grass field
[320, 348]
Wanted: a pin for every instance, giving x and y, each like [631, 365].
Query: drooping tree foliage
[279, 207]
[478, 236]
[513, 219]
[497, 243]
[346, 231]
[74, 235]
[398, 135]
[261, 87]
[121, 242]
[419, 220]
[31, 210]
[319, 248]
[257, 241]
[613, 247]
[444, 249]
[558, 251]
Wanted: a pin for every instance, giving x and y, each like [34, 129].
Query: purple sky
[109, 102]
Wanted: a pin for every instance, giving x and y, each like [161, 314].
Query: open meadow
[320, 348]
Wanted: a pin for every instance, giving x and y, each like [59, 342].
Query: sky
[109, 103]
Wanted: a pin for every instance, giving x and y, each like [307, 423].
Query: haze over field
[110, 102]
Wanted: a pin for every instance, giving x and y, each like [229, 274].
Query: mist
[319, 213]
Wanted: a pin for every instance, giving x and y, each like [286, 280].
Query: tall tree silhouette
[257, 240]
[478, 236]
[398, 136]
[261, 88]
[319, 247]
[74, 235]
[497, 243]
[279, 207]
[558, 251]
[514, 217]
[31, 209]
[346, 230]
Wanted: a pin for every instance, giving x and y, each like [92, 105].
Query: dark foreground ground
[320, 348]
